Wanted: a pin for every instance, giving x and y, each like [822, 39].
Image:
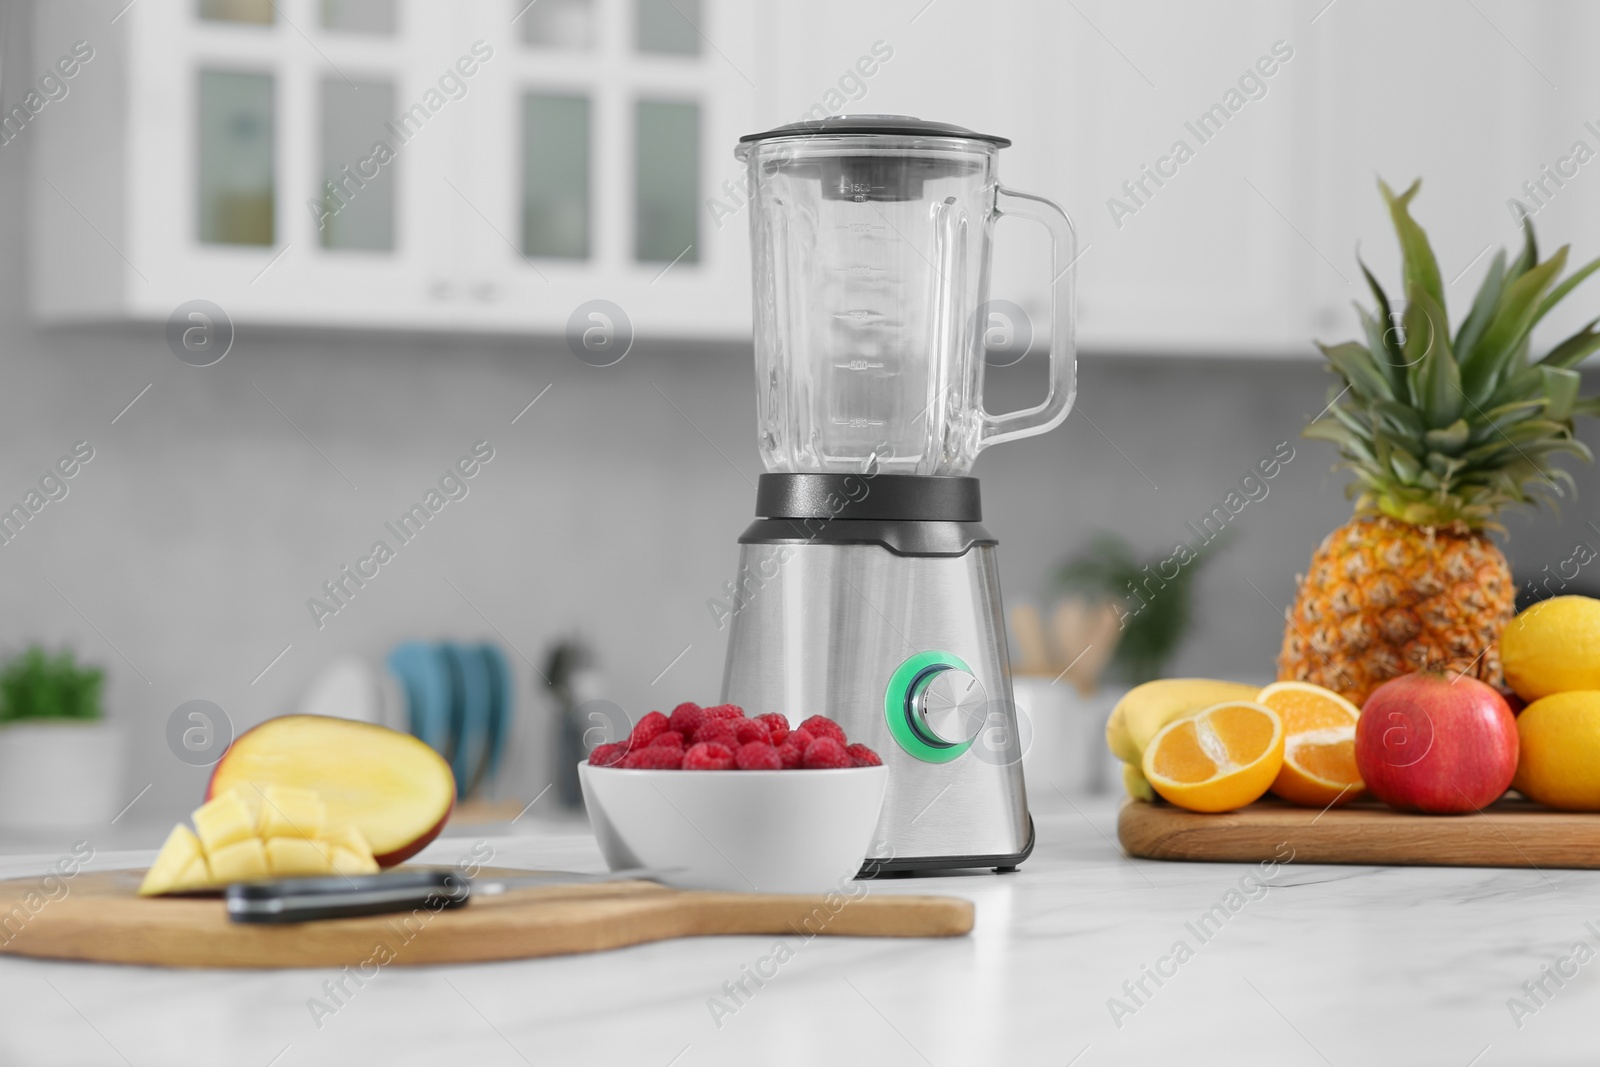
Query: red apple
[393, 788]
[1436, 743]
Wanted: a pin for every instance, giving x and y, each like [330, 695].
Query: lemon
[1145, 709]
[1559, 759]
[1553, 647]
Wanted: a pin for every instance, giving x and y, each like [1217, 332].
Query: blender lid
[880, 125]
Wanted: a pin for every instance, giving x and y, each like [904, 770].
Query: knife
[294, 900]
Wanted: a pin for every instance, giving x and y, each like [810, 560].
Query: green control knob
[934, 706]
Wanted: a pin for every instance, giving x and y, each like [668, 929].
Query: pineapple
[1442, 432]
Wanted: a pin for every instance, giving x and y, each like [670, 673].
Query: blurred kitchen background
[387, 317]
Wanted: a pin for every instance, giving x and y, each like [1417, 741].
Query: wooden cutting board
[1511, 833]
[99, 918]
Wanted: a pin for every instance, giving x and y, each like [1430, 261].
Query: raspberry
[801, 737]
[825, 753]
[647, 729]
[777, 726]
[653, 758]
[668, 739]
[821, 726]
[791, 754]
[863, 756]
[725, 711]
[708, 757]
[758, 756]
[716, 731]
[608, 755]
[748, 731]
[686, 718]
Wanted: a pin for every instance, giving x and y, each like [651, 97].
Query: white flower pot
[1066, 737]
[60, 774]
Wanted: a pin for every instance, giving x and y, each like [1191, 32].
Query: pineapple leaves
[1560, 391]
[1420, 271]
[1497, 419]
[1349, 442]
[1530, 252]
[1560, 292]
[1483, 307]
[1381, 339]
[1435, 378]
[1360, 370]
[1437, 432]
[1403, 419]
[1575, 349]
[1513, 318]
[1450, 440]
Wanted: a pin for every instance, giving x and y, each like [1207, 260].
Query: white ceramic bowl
[746, 831]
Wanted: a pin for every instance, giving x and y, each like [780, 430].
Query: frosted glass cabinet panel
[668, 26]
[236, 188]
[555, 176]
[375, 17]
[667, 182]
[358, 183]
[559, 24]
[260, 12]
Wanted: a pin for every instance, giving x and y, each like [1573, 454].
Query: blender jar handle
[1048, 415]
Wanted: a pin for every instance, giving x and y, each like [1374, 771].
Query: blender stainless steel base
[892, 627]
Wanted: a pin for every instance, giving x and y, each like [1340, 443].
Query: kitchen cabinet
[480, 166]
[589, 154]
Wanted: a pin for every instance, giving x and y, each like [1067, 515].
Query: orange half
[1223, 758]
[1319, 753]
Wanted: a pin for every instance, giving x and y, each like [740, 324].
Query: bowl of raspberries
[796, 815]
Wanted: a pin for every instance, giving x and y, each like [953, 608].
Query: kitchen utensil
[1086, 634]
[868, 589]
[295, 900]
[747, 831]
[100, 918]
[1028, 629]
[1510, 833]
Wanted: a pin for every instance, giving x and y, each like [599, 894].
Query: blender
[867, 588]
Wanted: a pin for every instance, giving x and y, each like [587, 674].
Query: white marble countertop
[1331, 965]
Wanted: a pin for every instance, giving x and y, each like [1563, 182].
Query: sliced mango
[173, 862]
[280, 832]
[223, 821]
[242, 861]
[290, 812]
[295, 857]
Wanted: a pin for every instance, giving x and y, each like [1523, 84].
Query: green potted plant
[60, 761]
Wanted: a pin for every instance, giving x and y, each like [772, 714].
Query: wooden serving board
[99, 918]
[1510, 833]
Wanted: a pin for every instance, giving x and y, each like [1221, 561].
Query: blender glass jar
[871, 238]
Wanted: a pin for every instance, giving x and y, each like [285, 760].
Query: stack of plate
[459, 701]
[455, 697]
